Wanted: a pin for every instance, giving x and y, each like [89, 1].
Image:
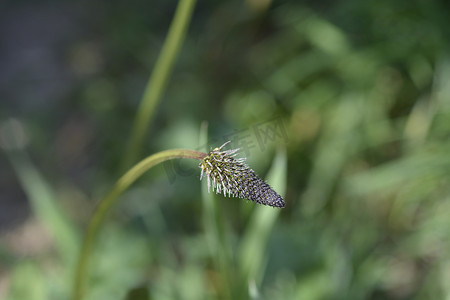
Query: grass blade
[253, 255]
[158, 79]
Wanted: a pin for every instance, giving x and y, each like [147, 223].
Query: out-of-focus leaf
[399, 172]
[28, 282]
[252, 253]
[45, 206]
[138, 293]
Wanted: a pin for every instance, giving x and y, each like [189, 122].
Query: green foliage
[343, 107]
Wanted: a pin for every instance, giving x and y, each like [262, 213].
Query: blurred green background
[343, 106]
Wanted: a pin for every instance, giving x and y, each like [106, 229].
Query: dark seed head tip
[232, 177]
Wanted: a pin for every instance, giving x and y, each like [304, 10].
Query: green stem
[106, 203]
[158, 79]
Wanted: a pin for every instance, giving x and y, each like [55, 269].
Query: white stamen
[224, 145]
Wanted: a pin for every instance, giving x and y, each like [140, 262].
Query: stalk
[158, 80]
[107, 202]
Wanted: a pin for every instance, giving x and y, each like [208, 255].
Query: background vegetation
[343, 106]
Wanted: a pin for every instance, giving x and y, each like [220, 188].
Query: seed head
[234, 178]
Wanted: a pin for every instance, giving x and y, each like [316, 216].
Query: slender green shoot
[158, 80]
[107, 202]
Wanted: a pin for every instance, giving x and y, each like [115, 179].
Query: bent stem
[106, 203]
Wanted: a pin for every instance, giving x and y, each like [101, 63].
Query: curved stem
[106, 203]
[158, 79]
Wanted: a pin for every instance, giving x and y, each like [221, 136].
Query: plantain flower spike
[234, 178]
